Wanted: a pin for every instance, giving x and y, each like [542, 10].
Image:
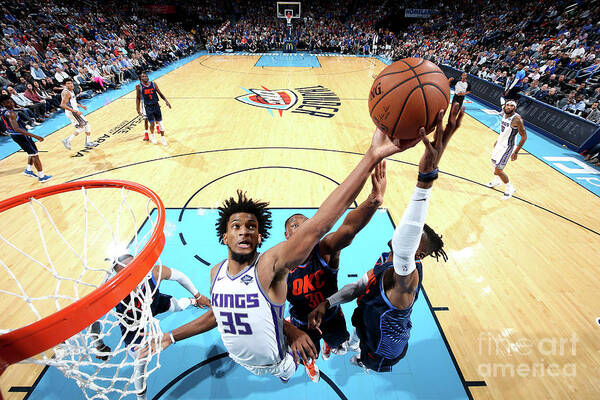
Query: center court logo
[317, 101]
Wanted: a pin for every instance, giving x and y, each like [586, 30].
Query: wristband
[428, 176]
[171, 336]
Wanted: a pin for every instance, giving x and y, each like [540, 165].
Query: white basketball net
[80, 357]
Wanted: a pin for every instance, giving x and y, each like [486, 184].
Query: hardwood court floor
[522, 280]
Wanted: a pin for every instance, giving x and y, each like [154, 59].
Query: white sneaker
[91, 144]
[340, 350]
[508, 193]
[163, 140]
[66, 143]
[494, 183]
[354, 360]
[354, 345]
[153, 139]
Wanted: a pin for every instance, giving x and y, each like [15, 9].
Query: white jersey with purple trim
[506, 142]
[251, 326]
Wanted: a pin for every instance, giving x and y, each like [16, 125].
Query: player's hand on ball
[202, 301]
[382, 146]
[434, 150]
[301, 345]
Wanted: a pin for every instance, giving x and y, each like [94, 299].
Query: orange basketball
[407, 95]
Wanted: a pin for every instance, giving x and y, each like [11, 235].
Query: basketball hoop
[75, 319]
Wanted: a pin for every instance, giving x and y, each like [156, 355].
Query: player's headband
[512, 103]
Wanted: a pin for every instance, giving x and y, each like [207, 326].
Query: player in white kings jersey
[505, 148]
[249, 289]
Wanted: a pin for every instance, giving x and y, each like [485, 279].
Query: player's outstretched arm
[202, 324]
[172, 274]
[346, 294]
[358, 218]
[407, 235]
[521, 127]
[294, 251]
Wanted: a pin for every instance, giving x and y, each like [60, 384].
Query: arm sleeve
[184, 281]
[349, 292]
[407, 235]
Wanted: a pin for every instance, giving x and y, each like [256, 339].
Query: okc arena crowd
[101, 45]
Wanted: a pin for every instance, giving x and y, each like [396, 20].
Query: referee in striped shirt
[461, 89]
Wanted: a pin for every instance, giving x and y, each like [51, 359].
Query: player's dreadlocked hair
[244, 204]
[436, 243]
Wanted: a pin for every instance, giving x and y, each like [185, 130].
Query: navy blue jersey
[160, 303]
[149, 94]
[309, 285]
[8, 126]
[383, 328]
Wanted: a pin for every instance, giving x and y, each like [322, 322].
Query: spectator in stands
[38, 110]
[4, 81]
[533, 89]
[36, 99]
[36, 72]
[551, 98]
[54, 101]
[594, 113]
[564, 102]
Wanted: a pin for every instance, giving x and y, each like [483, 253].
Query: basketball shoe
[508, 193]
[355, 360]
[495, 182]
[312, 370]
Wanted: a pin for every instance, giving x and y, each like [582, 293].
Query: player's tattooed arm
[12, 118]
[64, 102]
[521, 127]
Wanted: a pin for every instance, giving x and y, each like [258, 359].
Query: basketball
[407, 95]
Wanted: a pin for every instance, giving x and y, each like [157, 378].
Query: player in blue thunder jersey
[130, 312]
[148, 92]
[315, 279]
[386, 293]
[17, 131]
